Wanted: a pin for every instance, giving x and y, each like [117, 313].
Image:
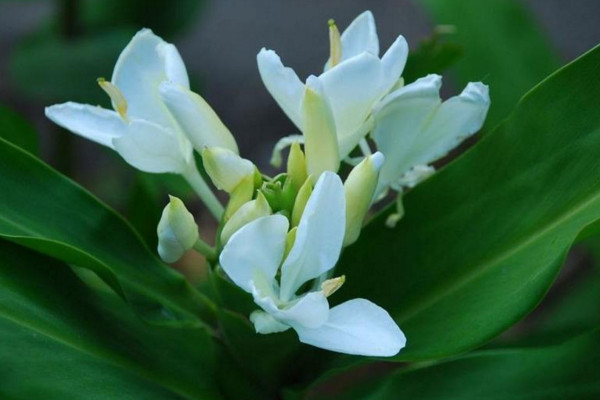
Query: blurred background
[52, 51]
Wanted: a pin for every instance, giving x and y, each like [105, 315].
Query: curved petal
[400, 118]
[310, 311]
[319, 237]
[393, 62]
[265, 323]
[456, 119]
[255, 250]
[142, 66]
[152, 148]
[283, 84]
[352, 88]
[92, 122]
[357, 327]
[197, 119]
[359, 37]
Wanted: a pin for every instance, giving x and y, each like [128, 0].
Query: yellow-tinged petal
[296, 166]
[320, 139]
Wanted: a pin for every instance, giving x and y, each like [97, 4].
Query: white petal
[400, 118]
[142, 66]
[319, 236]
[310, 311]
[265, 323]
[283, 84]
[357, 327]
[256, 249]
[197, 119]
[360, 36]
[91, 122]
[152, 148]
[456, 119]
[394, 61]
[352, 88]
[283, 143]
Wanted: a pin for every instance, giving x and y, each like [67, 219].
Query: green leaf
[61, 340]
[483, 239]
[17, 130]
[503, 47]
[45, 211]
[569, 371]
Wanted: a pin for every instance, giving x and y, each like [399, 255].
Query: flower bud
[226, 169]
[360, 187]
[296, 166]
[246, 213]
[177, 231]
[301, 200]
[320, 138]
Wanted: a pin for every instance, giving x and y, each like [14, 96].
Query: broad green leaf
[503, 47]
[566, 372]
[484, 238]
[17, 130]
[61, 340]
[45, 211]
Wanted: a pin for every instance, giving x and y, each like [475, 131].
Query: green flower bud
[177, 231]
[246, 213]
[360, 187]
[301, 200]
[296, 166]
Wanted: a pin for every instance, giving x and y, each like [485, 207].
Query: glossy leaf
[49, 213]
[503, 47]
[569, 371]
[17, 130]
[61, 340]
[484, 238]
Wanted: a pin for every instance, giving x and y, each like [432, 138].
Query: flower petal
[256, 249]
[225, 168]
[319, 237]
[310, 311]
[92, 122]
[197, 119]
[400, 118]
[352, 88]
[265, 323]
[394, 61]
[456, 119]
[359, 37]
[357, 327]
[151, 148]
[283, 84]
[142, 66]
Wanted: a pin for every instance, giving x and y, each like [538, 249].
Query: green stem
[193, 177]
[204, 248]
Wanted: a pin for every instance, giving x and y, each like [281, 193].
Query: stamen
[335, 44]
[330, 286]
[117, 98]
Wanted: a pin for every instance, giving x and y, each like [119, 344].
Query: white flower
[413, 128]
[256, 252]
[177, 231]
[157, 118]
[352, 86]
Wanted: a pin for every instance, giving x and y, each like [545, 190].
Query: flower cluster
[280, 237]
